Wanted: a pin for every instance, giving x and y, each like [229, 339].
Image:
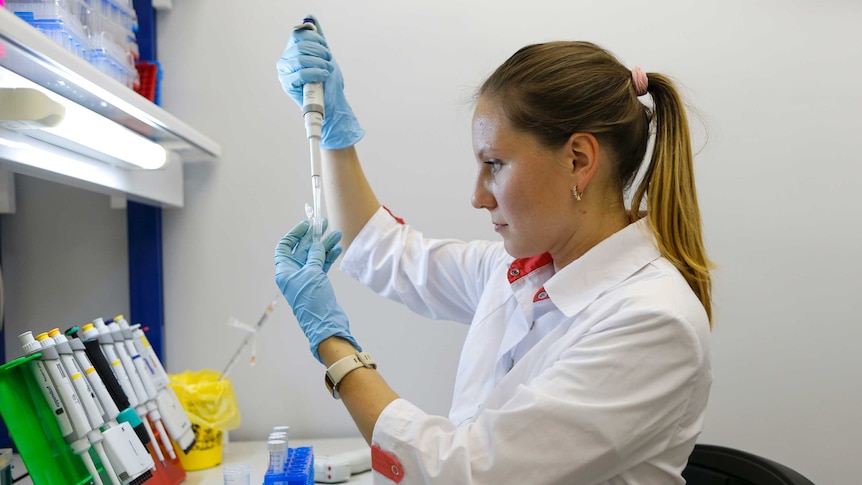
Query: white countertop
[254, 453]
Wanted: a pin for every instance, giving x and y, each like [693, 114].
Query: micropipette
[71, 402]
[312, 113]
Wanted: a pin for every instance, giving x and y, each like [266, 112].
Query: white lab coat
[598, 374]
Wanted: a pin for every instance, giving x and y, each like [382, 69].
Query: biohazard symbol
[206, 438]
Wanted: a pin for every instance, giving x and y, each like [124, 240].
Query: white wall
[65, 259]
[777, 83]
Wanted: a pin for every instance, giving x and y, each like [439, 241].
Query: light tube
[95, 132]
[79, 129]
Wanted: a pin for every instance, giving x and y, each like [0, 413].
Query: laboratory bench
[254, 454]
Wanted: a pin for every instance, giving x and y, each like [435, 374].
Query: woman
[587, 357]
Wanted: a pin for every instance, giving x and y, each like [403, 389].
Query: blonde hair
[555, 89]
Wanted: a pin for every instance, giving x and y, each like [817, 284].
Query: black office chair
[717, 465]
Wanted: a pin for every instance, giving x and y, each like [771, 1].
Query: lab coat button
[540, 295]
[514, 272]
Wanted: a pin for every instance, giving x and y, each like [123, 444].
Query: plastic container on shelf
[81, 11]
[150, 75]
[57, 20]
[40, 9]
[100, 31]
[113, 59]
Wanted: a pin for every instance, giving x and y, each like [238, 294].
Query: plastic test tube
[278, 436]
[281, 433]
[277, 455]
[237, 474]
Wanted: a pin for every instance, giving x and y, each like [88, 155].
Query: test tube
[279, 436]
[279, 430]
[239, 474]
[277, 455]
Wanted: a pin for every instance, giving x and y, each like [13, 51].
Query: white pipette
[312, 113]
[250, 336]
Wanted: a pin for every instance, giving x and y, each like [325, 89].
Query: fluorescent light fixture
[40, 113]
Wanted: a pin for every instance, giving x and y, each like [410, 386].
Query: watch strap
[337, 371]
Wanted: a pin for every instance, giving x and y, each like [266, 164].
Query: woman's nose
[482, 197]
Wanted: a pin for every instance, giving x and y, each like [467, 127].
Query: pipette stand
[34, 428]
[172, 471]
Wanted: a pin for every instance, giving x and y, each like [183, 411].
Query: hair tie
[640, 80]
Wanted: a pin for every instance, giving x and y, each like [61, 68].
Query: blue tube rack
[298, 468]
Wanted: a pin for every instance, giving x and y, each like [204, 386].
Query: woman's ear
[585, 151]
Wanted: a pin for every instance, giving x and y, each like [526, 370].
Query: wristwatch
[345, 366]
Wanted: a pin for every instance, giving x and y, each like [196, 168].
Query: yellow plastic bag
[207, 400]
[212, 408]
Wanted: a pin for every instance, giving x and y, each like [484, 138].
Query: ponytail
[669, 188]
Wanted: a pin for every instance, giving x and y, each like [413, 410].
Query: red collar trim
[540, 295]
[524, 266]
[400, 220]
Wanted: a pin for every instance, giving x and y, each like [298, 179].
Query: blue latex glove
[307, 59]
[330, 243]
[300, 273]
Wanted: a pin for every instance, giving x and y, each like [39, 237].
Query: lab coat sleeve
[436, 278]
[616, 398]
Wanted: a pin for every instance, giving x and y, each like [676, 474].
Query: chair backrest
[717, 465]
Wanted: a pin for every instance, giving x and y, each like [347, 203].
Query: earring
[575, 193]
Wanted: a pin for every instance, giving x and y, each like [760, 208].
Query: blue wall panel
[146, 34]
[146, 289]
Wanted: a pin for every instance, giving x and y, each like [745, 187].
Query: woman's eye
[494, 164]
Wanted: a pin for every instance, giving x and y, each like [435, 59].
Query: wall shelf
[26, 52]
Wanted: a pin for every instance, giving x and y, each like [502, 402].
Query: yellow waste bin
[212, 409]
